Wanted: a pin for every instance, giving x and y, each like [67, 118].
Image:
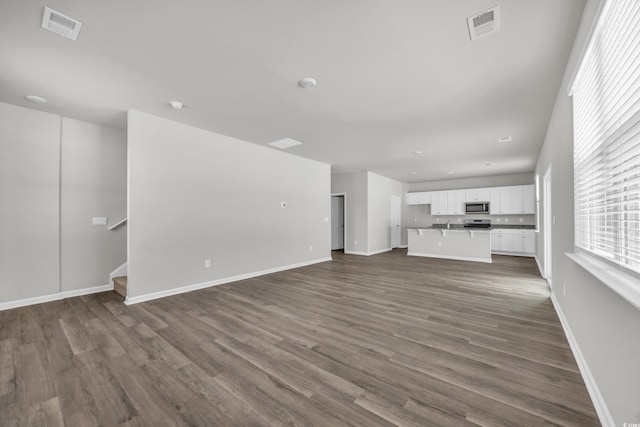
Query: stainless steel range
[477, 223]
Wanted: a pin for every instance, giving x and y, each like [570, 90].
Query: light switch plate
[99, 220]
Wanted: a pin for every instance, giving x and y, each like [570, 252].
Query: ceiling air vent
[60, 24]
[285, 143]
[484, 23]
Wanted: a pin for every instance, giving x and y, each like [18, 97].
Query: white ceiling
[393, 76]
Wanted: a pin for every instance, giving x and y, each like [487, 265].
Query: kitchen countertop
[463, 228]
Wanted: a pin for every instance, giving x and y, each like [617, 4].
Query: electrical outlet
[554, 220]
[310, 248]
[415, 219]
[564, 288]
[326, 219]
[497, 219]
[521, 219]
[506, 220]
[374, 241]
[207, 263]
[355, 243]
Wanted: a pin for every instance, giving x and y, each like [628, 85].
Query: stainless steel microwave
[476, 208]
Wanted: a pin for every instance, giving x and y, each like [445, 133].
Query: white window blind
[606, 103]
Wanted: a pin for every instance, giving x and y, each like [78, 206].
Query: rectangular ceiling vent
[484, 23]
[60, 24]
[285, 143]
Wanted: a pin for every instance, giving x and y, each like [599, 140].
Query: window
[606, 104]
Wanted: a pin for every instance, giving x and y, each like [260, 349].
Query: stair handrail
[118, 224]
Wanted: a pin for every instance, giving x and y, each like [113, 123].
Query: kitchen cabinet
[455, 202]
[513, 200]
[528, 199]
[477, 195]
[439, 203]
[500, 201]
[500, 240]
[513, 241]
[419, 198]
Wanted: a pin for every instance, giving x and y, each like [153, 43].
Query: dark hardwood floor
[360, 341]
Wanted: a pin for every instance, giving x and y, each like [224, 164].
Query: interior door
[396, 219]
[337, 222]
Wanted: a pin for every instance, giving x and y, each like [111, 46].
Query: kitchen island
[464, 244]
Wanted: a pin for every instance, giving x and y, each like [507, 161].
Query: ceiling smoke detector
[285, 143]
[307, 82]
[176, 105]
[484, 23]
[505, 139]
[60, 24]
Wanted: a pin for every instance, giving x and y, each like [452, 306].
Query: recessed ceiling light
[505, 139]
[36, 99]
[416, 152]
[285, 143]
[176, 105]
[307, 82]
[412, 172]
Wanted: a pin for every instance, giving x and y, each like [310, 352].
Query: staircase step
[120, 285]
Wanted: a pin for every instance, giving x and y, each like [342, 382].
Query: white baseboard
[594, 392]
[522, 254]
[197, 286]
[457, 258]
[120, 271]
[539, 266]
[379, 251]
[403, 246]
[54, 297]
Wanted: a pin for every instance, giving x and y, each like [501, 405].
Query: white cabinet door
[515, 202]
[500, 201]
[529, 242]
[455, 202]
[424, 198]
[413, 198]
[528, 199]
[501, 241]
[477, 195]
[517, 242]
[439, 202]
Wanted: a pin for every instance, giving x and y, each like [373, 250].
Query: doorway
[396, 219]
[338, 214]
[549, 221]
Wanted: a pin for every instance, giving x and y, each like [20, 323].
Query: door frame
[344, 218]
[392, 199]
[548, 221]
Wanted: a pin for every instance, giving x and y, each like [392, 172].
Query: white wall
[355, 187]
[93, 184]
[379, 192]
[368, 210]
[55, 174]
[196, 195]
[605, 326]
[29, 203]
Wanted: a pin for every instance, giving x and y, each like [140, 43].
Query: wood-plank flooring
[361, 341]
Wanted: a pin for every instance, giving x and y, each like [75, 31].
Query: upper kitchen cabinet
[514, 200]
[477, 195]
[439, 203]
[419, 198]
[455, 202]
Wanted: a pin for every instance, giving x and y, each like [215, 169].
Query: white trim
[403, 246]
[523, 254]
[585, 46]
[120, 271]
[54, 297]
[540, 269]
[457, 258]
[376, 252]
[592, 387]
[617, 280]
[197, 286]
[118, 224]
